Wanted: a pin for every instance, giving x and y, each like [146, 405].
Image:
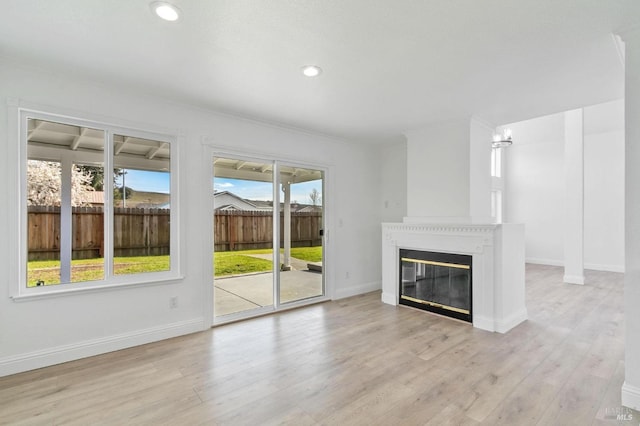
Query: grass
[93, 269]
[232, 263]
[225, 263]
[140, 264]
[49, 271]
[310, 254]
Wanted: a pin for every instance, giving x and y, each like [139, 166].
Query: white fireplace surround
[497, 250]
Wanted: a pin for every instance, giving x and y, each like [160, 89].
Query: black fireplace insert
[436, 282]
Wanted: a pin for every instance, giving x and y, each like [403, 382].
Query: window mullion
[108, 204]
[66, 223]
[276, 234]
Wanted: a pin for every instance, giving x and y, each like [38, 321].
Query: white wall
[438, 170]
[631, 387]
[535, 186]
[393, 181]
[448, 172]
[604, 186]
[480, 137]
[40, 332]
[534, 183]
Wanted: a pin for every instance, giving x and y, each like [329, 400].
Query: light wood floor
[356, 361]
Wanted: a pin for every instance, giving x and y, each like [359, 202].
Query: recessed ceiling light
[311, 70]
[165, 10]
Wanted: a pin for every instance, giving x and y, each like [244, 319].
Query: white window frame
[212, 150]
[496, 162]
[497, 184]
[20, 291]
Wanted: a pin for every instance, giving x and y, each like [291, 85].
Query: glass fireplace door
[437, 282]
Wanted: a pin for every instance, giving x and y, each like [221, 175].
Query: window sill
[94, 289]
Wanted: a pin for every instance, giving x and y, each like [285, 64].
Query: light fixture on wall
[502, 140]
[165, 10]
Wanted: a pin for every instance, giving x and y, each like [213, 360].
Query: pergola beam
[120, 145]
[154, 151]
[77, 139]
[38, 124]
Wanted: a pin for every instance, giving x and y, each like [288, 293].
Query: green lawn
[232, 263]
[93, 269]
[225, 263]
[310, 254]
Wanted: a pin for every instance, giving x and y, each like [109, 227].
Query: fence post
[232, 231]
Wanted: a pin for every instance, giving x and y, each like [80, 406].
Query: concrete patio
[240, 293]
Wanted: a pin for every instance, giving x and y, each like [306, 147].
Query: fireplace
[436, 282]
[496, 267]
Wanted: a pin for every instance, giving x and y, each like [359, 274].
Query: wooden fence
[137, 232]
[145, 232]
[245, 230]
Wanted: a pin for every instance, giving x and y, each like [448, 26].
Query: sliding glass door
[267, 236]
[301, 234]
[244, 271]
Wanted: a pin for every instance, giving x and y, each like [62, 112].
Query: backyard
[227, 263]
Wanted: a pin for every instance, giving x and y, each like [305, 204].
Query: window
[496, 162]
[97, 205]
[496, 205]
[142, 201]
[497, 184]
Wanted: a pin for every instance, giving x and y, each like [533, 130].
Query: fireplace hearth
[436, 282]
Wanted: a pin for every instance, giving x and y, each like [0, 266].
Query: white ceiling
[389, 65]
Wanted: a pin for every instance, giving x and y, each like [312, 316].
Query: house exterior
[228, 201]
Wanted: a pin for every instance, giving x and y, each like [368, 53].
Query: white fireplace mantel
[498, 293]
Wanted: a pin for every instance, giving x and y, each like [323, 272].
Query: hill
[145, 199]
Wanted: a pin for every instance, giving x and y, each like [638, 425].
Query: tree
[315, 197]
[97, 180]
[44, 184]
[128, 192]
[97, 175]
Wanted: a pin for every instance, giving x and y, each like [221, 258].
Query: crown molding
[630, 35]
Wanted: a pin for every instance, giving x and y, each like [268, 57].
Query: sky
[253, 190]
[142, 180]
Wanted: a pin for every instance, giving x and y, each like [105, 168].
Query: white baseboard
[541, 261]
[484, 323]
[341, 293]
[502, 326]
[631, 396]
[389, 299]
[57, 355]
[592, 266]
[573, 279]
[604, 268]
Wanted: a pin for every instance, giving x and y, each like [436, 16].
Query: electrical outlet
[346, 275]
[173, 302]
